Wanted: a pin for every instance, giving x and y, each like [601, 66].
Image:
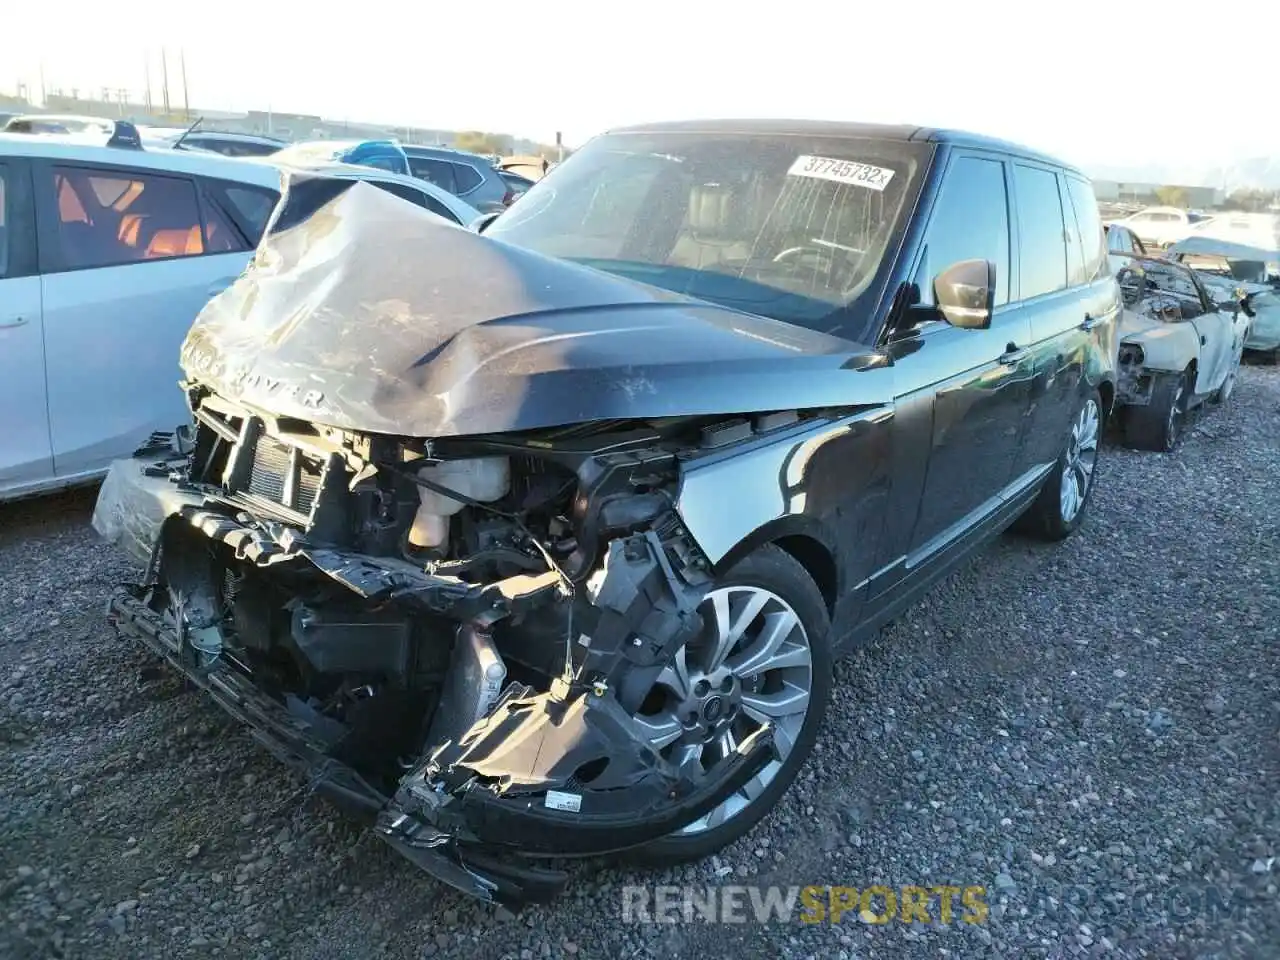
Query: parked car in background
[58, 124]
[383, 154]
[1180, 346]
[131, 244]
[466, 175]
[517, 184]
[1237, 271]
[1161, 226]
[419, 192]
[216, 141]
[1122, 246]
[546, 546]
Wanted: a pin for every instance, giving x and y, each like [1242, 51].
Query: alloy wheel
[751, 665]
[1081, 457]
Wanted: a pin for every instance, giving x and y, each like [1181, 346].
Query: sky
[1090, 81]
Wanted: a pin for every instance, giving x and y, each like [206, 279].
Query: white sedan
[107, 253]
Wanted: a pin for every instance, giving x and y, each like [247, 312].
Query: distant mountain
[1258, 173]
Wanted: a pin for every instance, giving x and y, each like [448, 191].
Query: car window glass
[4, 223]
[106, 219]
[970, 222]
[1071, 235]
[1088, 226]
[253, 207]
[438, 208]
[403, 191]
[466, 177]
[434, 171]
[390, 164]
[220, 234]
[1042, 253]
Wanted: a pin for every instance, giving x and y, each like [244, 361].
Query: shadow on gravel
[47, 515]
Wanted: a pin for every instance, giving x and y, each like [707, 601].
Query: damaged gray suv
[539, 543]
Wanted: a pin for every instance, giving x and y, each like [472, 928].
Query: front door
[25, 455]
[961, 395]
[132, 260]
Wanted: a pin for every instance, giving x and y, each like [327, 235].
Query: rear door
[1068, 295]
[129, 257]
[25, 453]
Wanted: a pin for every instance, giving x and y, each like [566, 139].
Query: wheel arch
[807, 542]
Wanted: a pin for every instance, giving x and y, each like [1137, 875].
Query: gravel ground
[1090, 732]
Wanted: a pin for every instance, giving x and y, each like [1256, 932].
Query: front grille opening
[284, 475]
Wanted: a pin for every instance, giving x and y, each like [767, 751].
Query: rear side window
[417, 197]
[251, 207]
[108, 218]
[1088, 226]
[1042, 253]
[439, 172]
[466, 177]
[970, 222]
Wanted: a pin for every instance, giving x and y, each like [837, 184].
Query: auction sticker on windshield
[841, 171]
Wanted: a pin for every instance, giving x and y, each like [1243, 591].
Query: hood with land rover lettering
[365, 312]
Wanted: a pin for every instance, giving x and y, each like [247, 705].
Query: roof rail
[125, 135]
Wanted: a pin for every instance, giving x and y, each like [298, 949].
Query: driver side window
[970, 222]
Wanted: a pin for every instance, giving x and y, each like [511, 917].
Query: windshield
[795, 228]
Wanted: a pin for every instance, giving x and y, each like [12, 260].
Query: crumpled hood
[364, 312]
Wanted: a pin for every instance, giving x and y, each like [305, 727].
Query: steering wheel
[828, 262]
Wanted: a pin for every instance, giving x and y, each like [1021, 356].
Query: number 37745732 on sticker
[841, 171]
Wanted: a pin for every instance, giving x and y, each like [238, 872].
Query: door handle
[1089, 323]
[12, 322]
[1012, 355]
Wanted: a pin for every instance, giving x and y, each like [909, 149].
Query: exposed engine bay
[467, 630]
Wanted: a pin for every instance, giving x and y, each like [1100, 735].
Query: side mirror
[965, 293]
[482, 224]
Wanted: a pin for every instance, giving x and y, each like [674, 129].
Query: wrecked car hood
[364, 312]
[1227, 249]
[1140, 326]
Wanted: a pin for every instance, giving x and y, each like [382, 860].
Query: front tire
[766, 651]
[1059, 509]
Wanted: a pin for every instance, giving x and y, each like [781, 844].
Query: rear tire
[1059, 509]
[1158, 425]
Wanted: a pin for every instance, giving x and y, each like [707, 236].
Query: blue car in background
[382, 154]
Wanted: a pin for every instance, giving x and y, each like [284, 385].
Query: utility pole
[146, 69]
[186, 104]
[42, 93]
[164, 83]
